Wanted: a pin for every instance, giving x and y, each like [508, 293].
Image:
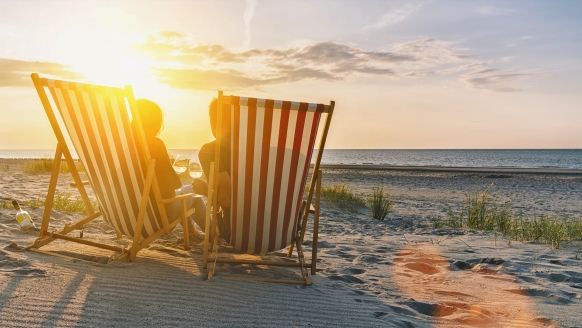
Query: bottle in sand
[22, 217]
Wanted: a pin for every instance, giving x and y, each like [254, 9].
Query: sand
[397, 272]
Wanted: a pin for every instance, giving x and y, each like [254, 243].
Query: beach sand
[398, 272]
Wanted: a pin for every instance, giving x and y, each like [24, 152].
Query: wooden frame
[212, 233]
[62, 150]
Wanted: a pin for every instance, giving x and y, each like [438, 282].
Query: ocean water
[521, 158]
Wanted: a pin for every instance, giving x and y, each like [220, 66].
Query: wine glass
[179, 167]
[195, 170]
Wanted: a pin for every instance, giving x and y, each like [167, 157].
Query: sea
[519, 158]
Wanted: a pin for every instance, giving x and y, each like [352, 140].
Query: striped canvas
[98, 123]
[271, 147]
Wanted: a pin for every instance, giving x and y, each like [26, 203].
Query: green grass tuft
[481, 211]
[45, 165]
[7, 204]
[342, 196]
[63, 202]
[381, 203]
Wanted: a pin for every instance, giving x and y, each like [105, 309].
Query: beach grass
[482, 211]
[45, 165]
[6, 204]
[6, 168]
[381, 203]
[342, 196]
[63, 201]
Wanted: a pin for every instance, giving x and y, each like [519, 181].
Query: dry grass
[45, 165]
[342, 196]
[63, 201]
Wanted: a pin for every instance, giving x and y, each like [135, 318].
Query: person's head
[151, 116]
[213, 114]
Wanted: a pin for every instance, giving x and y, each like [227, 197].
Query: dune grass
[63, 202]
[381, 203]
[342, 196]
[45, 165]
[6, 204]
[6, 168]
[482, 211]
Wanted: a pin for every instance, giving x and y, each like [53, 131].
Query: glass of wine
[195, 170]
[180, 166]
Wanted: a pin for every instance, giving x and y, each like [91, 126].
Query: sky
[403, 74]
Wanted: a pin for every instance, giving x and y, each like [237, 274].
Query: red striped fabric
[271, 146]
[98, 124]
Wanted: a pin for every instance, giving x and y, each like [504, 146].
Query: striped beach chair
[116, 161]
[272, 143]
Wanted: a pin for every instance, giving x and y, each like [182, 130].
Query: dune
[399, 272]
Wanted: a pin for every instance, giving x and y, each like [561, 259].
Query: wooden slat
[46, 216]
[226, 100]
[209, 205]
[85, 242]
[70, 227]
[84, 183]
[185, 227]
[180, 197]
[316, 224]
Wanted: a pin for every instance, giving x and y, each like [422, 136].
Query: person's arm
[166, 176]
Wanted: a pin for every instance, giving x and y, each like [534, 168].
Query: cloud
[499, 82]
[395, 16]
[185, 64]
[16, 73]
[494, 11]
[248, 16]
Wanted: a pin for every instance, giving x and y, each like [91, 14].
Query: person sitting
[206, 155]
[152, 119]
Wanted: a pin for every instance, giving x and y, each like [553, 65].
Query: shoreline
[453, 169]
[409, 168]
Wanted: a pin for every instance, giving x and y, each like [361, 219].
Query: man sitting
[207, 155]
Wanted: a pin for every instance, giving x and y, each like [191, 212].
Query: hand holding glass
[178, 167]
[195, 170]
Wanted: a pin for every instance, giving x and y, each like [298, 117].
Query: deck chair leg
[142, 210]
[316, 224]
[214, 254]
[304, 273]
[46, 216]
[290, 251]
[209, 205]
[185, 226]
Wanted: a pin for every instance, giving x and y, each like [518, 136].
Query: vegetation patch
[45, 165]
[63, 201]
[342, 196]
[381, 203]
[482, 211]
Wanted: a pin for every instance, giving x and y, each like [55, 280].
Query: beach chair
[116, 161]
[271, 149]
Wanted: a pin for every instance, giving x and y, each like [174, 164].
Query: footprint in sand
[533, 292]
[458, 292]
[353, 271]
[12, 265]
[346, 278]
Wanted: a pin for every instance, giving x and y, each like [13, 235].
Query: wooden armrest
[84, 183]
[179, 197]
